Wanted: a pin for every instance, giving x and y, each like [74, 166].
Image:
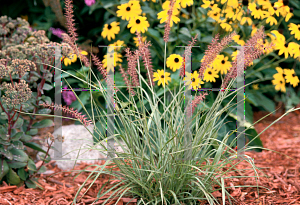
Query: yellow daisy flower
[279, 81]
[236, 38]
[163, 15]
[247, 20]
[72, 58]
[271, 20]
[174, 62]
[226, 25]
[222, 64]
[294, 49]
[110, 30]
[116, 57]
[117, 45]
[129, 10]
[255, 87]
[161, 77]
[295, 30]
[185, 3]
[207, 3]
[210, 75]
[195, 81]
[215, 15]
[291, 77]
[138, 24]
[283, 48]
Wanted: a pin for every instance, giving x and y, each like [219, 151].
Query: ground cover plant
[25, 74]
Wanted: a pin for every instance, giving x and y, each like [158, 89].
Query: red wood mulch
[282, 182]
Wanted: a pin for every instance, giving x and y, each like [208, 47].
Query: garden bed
[283, 183]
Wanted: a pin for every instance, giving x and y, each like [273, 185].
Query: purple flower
[56, 31]
[89, 2]
[68, 96]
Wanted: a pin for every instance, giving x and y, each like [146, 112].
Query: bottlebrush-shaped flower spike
[70, 111]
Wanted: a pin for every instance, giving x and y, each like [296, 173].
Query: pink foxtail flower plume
[146, 56]
[70, 21]
[253, 49]
[213, 51]
[196, 102]
[72, 37]
[127, 82]
[186, 55]
[167, 25]
[132, 58]
[70, 111]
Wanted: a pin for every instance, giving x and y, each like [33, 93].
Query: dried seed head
[16, 94]
[22, 66]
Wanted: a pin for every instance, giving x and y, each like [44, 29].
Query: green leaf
[251, 133]
[32, 132]
[26, 138]
[30, 184]
[43, 123]
[22, 174]
[16, 165]
[4, 168]
[44, 111]
[12, 177]
[34, 146]
[4, 142]
[19, 155]
[47, 86]
[31, 165]
[17, 136]
[18, 123]
[263, 101]
[6, 153]
[42, 169]
[3, 132]
[17, 144]
[84, 97]
[153, 33]
[185, 31]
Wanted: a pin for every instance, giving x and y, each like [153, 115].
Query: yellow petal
[84, 53]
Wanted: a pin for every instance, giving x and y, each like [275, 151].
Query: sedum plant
[26, 59]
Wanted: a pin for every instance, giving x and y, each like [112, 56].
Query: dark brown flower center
[291, 10]
[209, 72]
[286, 45]
[212, 3]
[281, 82]
[128, 8]
[162, 76]
[223, 62]
[285, 2]
[176, 60]
[138, 21]
[245, 2]
[257, 7]
[215, 14]
[193, 79]
[293, 75]
[109, 27]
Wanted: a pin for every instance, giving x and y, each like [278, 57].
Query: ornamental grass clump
[161, 165]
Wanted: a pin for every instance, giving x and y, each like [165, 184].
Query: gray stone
[78, 144]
